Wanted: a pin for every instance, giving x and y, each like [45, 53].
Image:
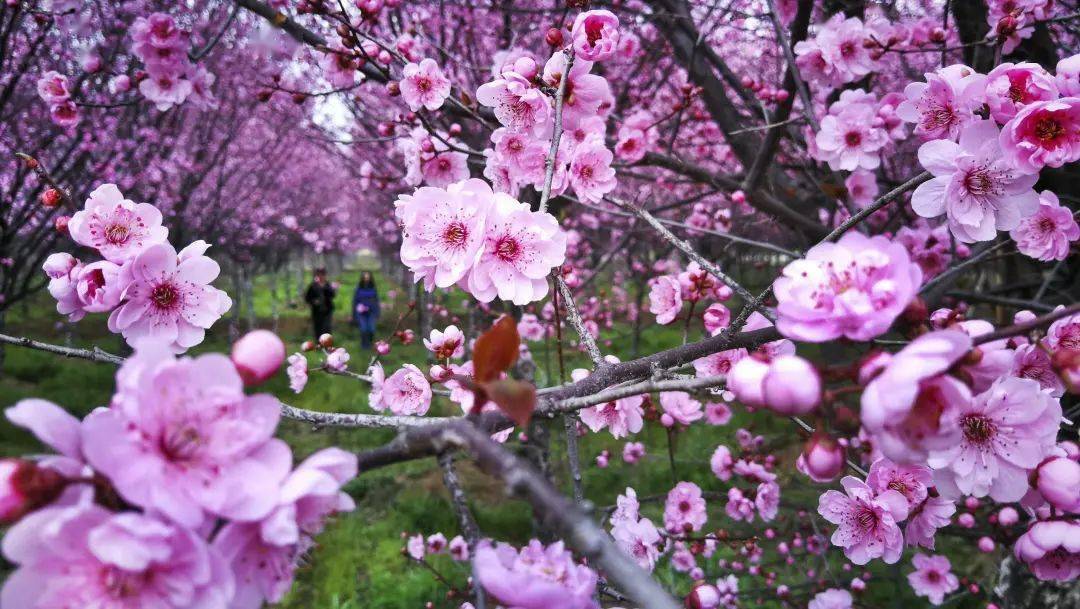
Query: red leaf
[496, 350]
[515, 398]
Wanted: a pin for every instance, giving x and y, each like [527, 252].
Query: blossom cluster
[150, 290]
[487, 243]
[176, 495]
[53, 89]
[170, 76]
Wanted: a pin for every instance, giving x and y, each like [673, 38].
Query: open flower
[169, 297]
[117, 228]
[974, 185]
[1010, 87]
[405, 392]
[1043, 134]
[1046, 235]
[867, 522]
[535, 577]
[855, 287]
[942, 105]
[932, 577]
[1051, 549]
[665, 299]
[595, 35]
[423, 85]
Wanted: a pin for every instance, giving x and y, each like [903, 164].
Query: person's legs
[367, 331]
[322, 325]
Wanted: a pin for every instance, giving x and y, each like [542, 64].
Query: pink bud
[1058, 480]
[1008, 516]
[822, 458]
[986, 545]
[526, 66]
[382, 347]
[703, 596]
[738, 197]
[666, 420]
[971, 503]
[384, 57]
[24, 487]
[326, 341]
[716, 317]
[966, 520]
[440, 374]
[257, 356]
[791, 385]
[745, 380]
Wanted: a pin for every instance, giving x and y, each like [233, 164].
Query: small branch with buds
[46, 178]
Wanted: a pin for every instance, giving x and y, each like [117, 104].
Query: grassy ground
[358, 561]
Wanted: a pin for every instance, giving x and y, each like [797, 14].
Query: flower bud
[326, 341]
[307, 345]
[1058, 481]
[1008, 516]
[986, 545]
[745, 380]
[61, 224]
[393, 89]
[257, 356]
[822, 458]
[24, 487]
[791, 386]
[51, 197]
[554, 37]
[440, 374]
[382, 347]
[703, 596]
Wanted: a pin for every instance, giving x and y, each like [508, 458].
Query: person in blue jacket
[366, 308]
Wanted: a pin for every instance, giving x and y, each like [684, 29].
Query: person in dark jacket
[320, 297]
[365, 304]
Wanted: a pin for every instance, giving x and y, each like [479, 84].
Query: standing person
[366, 308]
[320, 297]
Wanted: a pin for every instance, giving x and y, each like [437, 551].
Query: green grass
[358, 562]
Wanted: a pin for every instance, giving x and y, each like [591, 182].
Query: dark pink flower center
[124, 584]
[594, 30]
[455, 234]
[980, 182]
[164, 296]
[423, 84]
[933, 577]
[978, 429]
[181, 444]
[853, 138]
[867, 519]
[508, 249]
[1048, 129]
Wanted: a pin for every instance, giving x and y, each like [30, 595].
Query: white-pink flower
[974, 185]
[52, 87]
[944, 104]
[447, 343]
[1046, 235]
[932, 577]
[116, 227]
[517, 104]
[665, 299]
[866, 523]
[591, 175]
[851, 139]
[168, 296]
[520, 247]
[297, 372]
[423, 85]
[405, 392]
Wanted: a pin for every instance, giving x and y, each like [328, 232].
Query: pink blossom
[1046, 235]
[166, 91]
[716, 318]
[684, 510]
[416, 547]
[620, 417]
[1005, 432]
[836, 55]
[52, 87]
[717, 413]
[633, 452]
[942, 105]
[590, 172]
[444, 230]
[117, 228]
[530, 328]
[739, 507]
[932, 577]
[721, 462]
[257, 356]
[930, 247]
[791, 386]
[339, 68]
[84, 556]
[405, 392]
[1051, 550]
[534, 577]
[423, 85]
[524, 153]
[855, 287]
[911, 481]
[337, 360]
[767, 500]
[1067, 76]
[640, 539]
[1057, 479]
[833, 598]
[181, 438]
[822, 459]
[867, 522]
[1010, 87]
[902, 407]
[458, 549]
[851, 139]
[973, 185]
[64, 114]
[264, 555]
[931, 515]
[297, 372]
[1043, 134]
[595, 35]
[585, 93]
[168, 296]
[627, 507]
[158, 30]
[665, 299]
[520, 247]
[862, 187]
[445, 168]
[449, 343]
[681, 407]
[1032, 362]
[517, 104]
[1064, 334]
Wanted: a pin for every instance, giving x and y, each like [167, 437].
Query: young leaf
[517, 399]
[496, 350]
